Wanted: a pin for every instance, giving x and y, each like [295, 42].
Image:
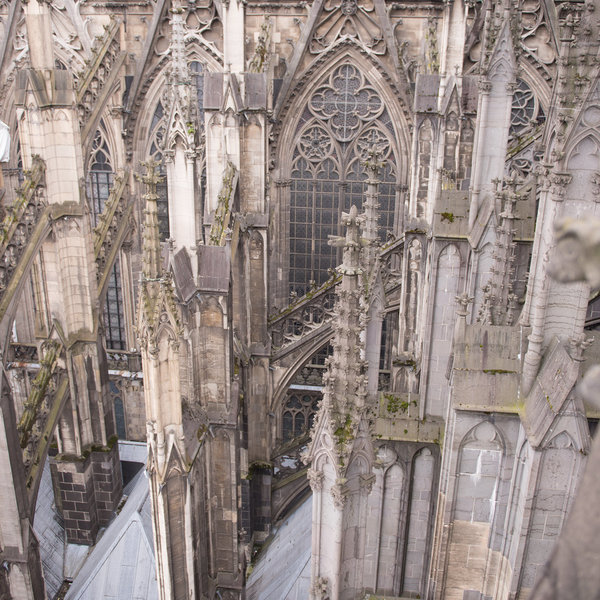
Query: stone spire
[151, 267]
[340, 427]
[499, 300]
[179, 67]
[179, 97]
[345, 392]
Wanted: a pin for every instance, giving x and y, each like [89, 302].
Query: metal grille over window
[344, 117]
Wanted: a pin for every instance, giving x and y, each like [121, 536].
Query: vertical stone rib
[151, 268]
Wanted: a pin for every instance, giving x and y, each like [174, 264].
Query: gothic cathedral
[300, 251]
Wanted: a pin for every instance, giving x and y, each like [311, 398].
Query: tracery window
[299, 413]
[526, 110]
[526, 117]
[157, 135]
[343, 118]
[100, 181]
[100, 176]
[197, 73]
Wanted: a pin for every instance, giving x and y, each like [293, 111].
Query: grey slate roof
[121, 565]
[50, 534]
[282, 572]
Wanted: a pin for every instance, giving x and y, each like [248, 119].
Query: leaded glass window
[114, 318]
[100, 181]
[344, 117]
[299, 413]
[100, 176]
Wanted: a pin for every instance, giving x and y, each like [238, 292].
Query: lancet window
[100, 180]
[526, 110]
[100, 176]
[343, 118]
[157, 136]
[527, 115]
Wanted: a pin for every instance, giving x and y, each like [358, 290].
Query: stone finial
[578, 345]
[179, 67]
[151, 237]
[463, 300]
[315, 479]
[498, 305]
[374, 163]
[351, 242]
[258, 62]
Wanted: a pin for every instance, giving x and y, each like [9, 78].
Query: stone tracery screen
[343, 118]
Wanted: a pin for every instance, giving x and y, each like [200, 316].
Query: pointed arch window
[526, 110]
[343, 118]
[527, 116]
[100, 175]
[157, 135]
[299, 414]
[197, 71]
[197, 74]
[100, 181]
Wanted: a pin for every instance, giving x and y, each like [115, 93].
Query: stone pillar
[49, 126]
[20, 566]
[87, 492]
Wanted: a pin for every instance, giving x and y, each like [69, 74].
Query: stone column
[49, 126]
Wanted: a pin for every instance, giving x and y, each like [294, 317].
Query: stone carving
[526, 113]
[348, 18]
[315, 479]
[40, 415]
[203, 24]
[109, 231]
[339, 493]
[304, 316]
[499, 300]
[315, 144]
[535, 34]
[346, 101]
[18, 225]
[106, 55]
